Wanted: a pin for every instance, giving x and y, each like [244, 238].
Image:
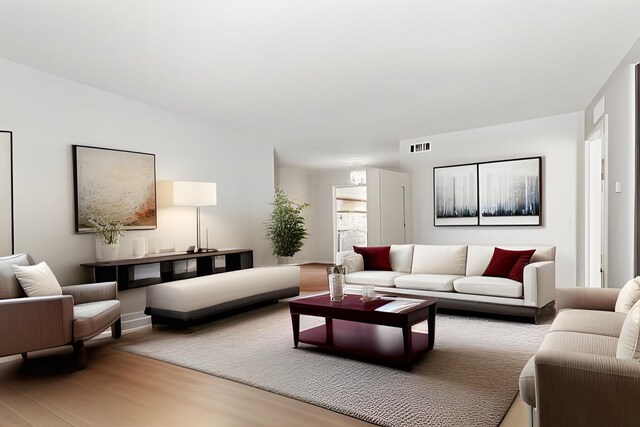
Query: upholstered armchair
[36, 323]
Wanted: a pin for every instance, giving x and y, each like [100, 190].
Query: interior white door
[595, 213]
[392, 212]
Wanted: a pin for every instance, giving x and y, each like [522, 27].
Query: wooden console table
[123, 270]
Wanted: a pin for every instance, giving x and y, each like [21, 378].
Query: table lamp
[198, 194]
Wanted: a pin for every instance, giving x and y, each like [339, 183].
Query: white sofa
[453, 274]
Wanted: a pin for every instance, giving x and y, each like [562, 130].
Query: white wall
[555, 138]
[48, 114]
[619, 93]
[297, 184]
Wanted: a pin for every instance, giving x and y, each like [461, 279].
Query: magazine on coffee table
[398, 305]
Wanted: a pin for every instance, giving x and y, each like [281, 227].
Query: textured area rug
[470, 377]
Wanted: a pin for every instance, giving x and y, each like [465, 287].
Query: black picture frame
[455, 195]
[523, 205]
[115, 185]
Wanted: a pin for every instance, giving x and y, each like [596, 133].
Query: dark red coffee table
[354, 327]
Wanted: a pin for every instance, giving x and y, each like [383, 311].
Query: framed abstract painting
[115, 185]
[455, 193]
[511, 192]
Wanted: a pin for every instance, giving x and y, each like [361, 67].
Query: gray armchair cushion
[94, 317]
[9, 285]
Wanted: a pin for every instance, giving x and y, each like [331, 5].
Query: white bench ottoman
[186, 301]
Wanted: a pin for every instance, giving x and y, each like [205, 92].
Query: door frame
[600, 130]
[334, 215]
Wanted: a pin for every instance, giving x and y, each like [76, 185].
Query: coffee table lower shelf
[380, 343]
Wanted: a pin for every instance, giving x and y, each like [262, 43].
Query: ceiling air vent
[420, 147]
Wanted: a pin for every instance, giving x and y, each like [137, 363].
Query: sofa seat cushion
[373, 277]
[595, 322]
[493, 286]
[94, 317]
[427, 282]
[578, 342]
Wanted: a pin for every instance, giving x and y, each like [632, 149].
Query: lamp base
[202, 250]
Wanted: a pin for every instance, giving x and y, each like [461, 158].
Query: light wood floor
[123, 389]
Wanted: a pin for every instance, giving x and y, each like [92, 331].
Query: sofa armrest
[585, 389]
[92, 292]
[353, 263]
[602, 299]
[539, 283]
[343, 254]
[35, 323]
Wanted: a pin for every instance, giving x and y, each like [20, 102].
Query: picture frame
[116, 185]
[455, 195]
[510, 192]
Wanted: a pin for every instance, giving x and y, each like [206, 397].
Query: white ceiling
[330, 82]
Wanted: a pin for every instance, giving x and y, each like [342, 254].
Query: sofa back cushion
[478, 257]
[628, 296]
[401, 257]
[9, 285]
[629, 342]
[439, 259]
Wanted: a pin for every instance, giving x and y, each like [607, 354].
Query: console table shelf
[123, 270]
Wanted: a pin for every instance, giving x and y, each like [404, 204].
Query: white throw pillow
[629, 342]
[629, 295]
[37, 280]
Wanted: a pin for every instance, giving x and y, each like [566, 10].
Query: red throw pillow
[375, 257]
[518, 268]
[503, 261]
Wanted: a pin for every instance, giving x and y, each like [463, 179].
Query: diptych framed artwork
[116, 185]
[456, 195]
[505, 192]
[510, 192]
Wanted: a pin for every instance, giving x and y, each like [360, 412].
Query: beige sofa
[36, 323]
[577, 377]
[453, 274]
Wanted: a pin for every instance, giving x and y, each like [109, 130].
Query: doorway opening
[596, 206]
[350, 209]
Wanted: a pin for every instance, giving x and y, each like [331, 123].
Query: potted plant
[286, 228]
[108, 234]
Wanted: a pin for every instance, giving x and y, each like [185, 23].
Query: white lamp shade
[190, 193]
